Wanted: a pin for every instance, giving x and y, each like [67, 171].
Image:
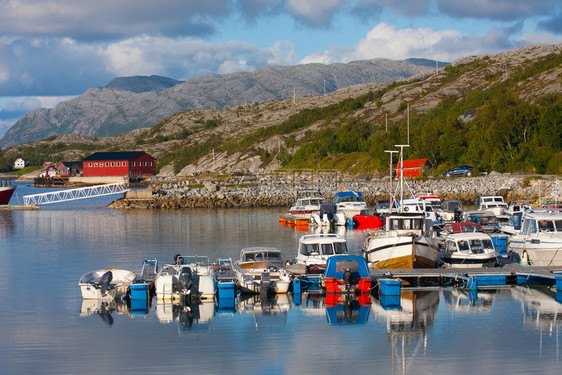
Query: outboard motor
[105, 281]
[186, 278]
[347, 279]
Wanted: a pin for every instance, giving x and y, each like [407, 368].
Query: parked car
[461, 170]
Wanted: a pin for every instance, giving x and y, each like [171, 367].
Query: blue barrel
[390, 287]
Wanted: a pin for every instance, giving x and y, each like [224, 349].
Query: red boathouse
[125, 163]
[412, 168]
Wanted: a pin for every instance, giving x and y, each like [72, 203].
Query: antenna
[294, 96]
[390, 195]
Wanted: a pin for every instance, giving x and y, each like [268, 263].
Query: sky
[54, 50]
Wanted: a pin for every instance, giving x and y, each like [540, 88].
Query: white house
[19, 163]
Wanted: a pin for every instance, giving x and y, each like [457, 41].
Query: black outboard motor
[347, 279]
[328, 209]
[105, 281]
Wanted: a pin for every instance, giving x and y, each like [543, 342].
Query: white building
[19, 163]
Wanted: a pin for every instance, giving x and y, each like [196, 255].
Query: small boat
[314, 250]
[350, 203]
[487, 219]
[189, 277]
[347, 274]
[366, 221]
[226, 278]
[403, 243]
[110, 283]
[308, 202]
[539, 242]
[468, 250]
[261, 270]
[492, 203]
[7, 188]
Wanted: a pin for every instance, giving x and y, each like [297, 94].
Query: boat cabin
[348, 197]
[475, 243]
[487, 219]
[547, 222]
[316, 248]
[405, 221]
[464, 227]
[261, 258]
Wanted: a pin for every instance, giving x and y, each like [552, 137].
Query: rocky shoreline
[268, 192]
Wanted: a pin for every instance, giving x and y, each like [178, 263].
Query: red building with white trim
[124, 163]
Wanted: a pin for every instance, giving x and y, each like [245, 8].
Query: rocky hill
[495, 111]
[134, 102]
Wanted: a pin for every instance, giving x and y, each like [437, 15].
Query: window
[546, 225]
[327, 249]
[145, 164]
[95, 164]
[107, 164]
[118, 164]
[134, 164]
[311, 248]
[124, 163]
[112, 164]
[341, 248]
[89, 164]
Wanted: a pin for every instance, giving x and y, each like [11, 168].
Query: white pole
[408, 122]
[401, 173]
[390, 181]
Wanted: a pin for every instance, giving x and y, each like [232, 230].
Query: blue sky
[52, 50]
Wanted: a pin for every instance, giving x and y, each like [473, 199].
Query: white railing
[74, 194]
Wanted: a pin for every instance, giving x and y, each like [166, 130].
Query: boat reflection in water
[408, 323]
[194, 316]
[269, 311]
[104, 309]
[542, 310]
[469, 301]
[7, 226]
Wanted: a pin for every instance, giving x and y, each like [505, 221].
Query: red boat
[368, 221]
[7, 188]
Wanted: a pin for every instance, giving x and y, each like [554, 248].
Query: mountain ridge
[127, 103]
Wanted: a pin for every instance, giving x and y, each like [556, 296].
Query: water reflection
[407, 325]
[469, 301]
[7, 226]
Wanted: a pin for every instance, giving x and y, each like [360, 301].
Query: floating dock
[17, 208]
[292, 221]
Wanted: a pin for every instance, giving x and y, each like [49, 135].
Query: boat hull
[6, 193]
[542, 251]
[470, 261]
[402, 252]
[117, 288]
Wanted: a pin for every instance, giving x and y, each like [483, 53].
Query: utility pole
[386, 123]
[436, 62]
[408, 123]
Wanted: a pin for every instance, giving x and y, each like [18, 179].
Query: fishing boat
[314, 249]
[347, 274]
[539, 242]
[350, 203]
[261, 270]
[7, 188]
[403, 243]
[110, 283]
[468, 250]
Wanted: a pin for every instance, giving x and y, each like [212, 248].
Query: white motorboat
[262, 270]
[190, 276]
[315, 249]
[107, 283]
[468, 250]
[350, 203]
[539, 242]
[403, 243]
[492, 203]
[308, 203]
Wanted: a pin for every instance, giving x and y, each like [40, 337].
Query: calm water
[46, 328]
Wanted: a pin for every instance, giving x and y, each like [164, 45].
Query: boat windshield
[481, 244]
[308, 249]
[550, 225]
[340, 247]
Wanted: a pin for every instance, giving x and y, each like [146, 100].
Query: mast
[401, 174]
[390, 195]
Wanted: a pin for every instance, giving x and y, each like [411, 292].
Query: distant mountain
[129, 103]
[140, 84]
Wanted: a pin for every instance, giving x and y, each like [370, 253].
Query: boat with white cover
[109, 283]
[315, 249]
[468, 250]
[539, 242]
[189, 276]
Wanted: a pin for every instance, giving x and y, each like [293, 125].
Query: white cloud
[388, 41]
